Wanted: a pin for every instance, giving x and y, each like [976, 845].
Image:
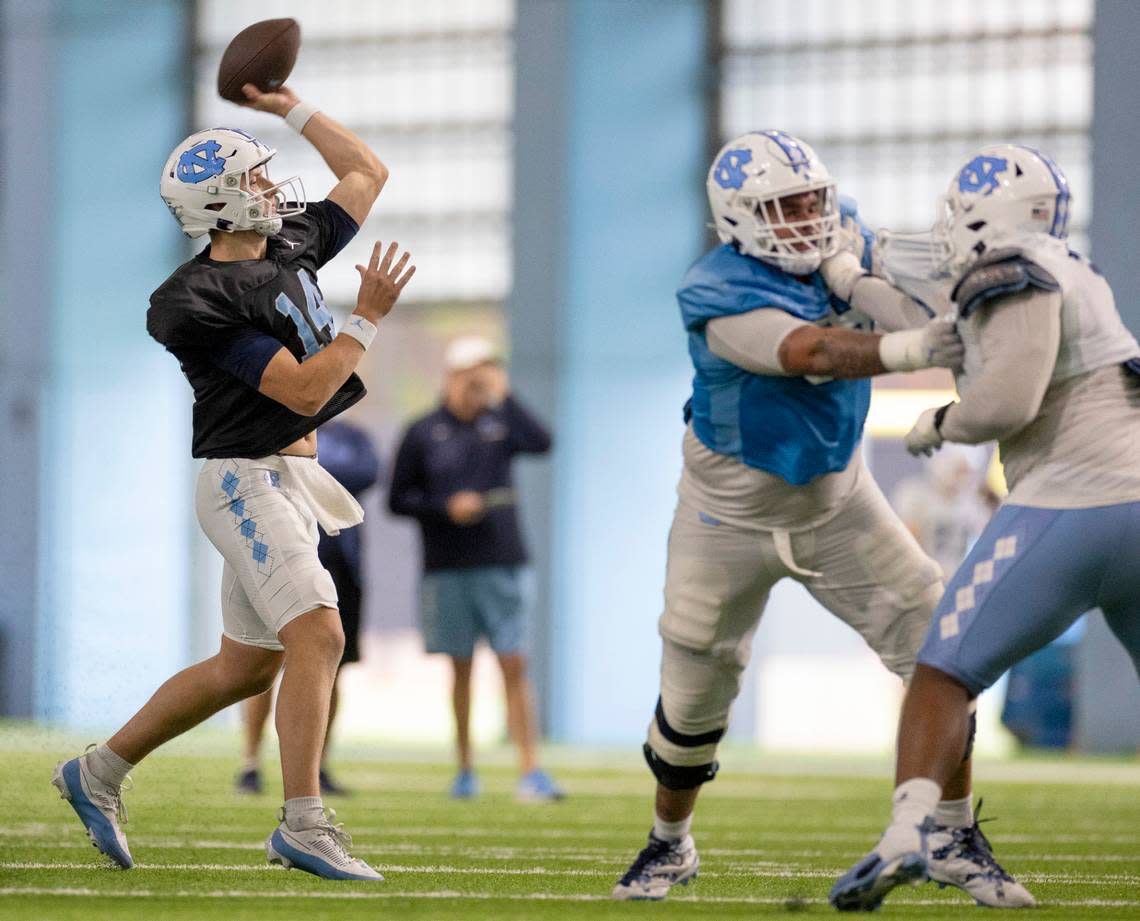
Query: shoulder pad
[1003, 271]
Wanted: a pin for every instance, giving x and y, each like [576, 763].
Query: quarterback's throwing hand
[279, 102]
[381, 282]
[925, 438]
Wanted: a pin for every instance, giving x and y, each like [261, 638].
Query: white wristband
[360, 329]
[903, 350]
[299, 116]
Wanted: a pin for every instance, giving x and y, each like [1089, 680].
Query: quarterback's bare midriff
[302, 447]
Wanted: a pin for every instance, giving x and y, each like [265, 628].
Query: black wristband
[939, 415]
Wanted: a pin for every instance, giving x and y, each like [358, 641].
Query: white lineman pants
[862, 565]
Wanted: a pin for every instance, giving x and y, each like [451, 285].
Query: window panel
[894, 93]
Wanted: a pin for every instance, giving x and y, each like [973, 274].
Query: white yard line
[778, 871]
[485, 896]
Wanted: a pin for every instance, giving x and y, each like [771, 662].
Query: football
[262, 54]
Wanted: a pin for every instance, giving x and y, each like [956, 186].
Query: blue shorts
[457, 606]
[1030, 575]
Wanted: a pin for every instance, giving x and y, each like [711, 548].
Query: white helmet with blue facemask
[1001, 191]
[748, 179]
[208, 184]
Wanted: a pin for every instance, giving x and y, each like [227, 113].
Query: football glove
[842, 270]
[926, 436]
[935, 345]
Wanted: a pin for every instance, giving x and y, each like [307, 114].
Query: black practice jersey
[224, 321]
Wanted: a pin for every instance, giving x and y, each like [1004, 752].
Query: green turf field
[772, 837]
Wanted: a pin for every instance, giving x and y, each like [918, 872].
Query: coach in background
[344, 450]
[453, 475]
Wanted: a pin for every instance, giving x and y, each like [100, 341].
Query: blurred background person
[947, 505]
[453, 475]
[345, 451]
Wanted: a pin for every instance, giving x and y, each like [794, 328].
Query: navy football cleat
[865, 885]
[659, 867]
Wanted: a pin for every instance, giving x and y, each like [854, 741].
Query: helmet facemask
[261, 204]
[795, 244]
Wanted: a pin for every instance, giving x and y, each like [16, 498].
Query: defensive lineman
[773, 483]
[1051, 373]
[246, 320]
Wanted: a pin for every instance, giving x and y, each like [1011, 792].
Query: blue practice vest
[784, 425]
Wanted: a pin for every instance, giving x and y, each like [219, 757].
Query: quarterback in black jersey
[246, 320]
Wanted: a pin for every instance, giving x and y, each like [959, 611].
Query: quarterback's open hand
[924, 437]
[381, 282]
[279, 102]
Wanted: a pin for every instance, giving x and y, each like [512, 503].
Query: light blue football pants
[1030, 575]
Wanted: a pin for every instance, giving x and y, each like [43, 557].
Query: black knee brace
[674, 777]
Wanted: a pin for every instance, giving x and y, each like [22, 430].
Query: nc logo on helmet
[981, 174]
[729, 171]
[201, 162]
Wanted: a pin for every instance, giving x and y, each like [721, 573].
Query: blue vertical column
[1107, 710]
[115, 509]
[26, 222]
[609, 213]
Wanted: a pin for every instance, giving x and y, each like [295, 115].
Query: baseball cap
[467, 352]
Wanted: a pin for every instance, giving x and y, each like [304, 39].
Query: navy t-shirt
[224, 321]
[441, 455]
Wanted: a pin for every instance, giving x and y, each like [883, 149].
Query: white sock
[107, 766]
[672, 831]
[253, 763]
[914, 800]
[956, 813]
[303, 812]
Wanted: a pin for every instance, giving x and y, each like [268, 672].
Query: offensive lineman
[247, 323]
[1053, 375]
[773, 483]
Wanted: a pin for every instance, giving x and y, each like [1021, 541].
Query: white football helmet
[207, 184]
[1003, 190]
[745, 184]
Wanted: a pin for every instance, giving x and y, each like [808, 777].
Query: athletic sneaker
[320, 850]
[538, 787]
[660, 866]
[465, 785]
[330, 787]
[249, 781]
[99, 806]
[963, 857]
[865, 885]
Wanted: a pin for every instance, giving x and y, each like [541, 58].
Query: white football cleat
[660, 866]
[99, 806]
[963, 857]
[320, 850]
